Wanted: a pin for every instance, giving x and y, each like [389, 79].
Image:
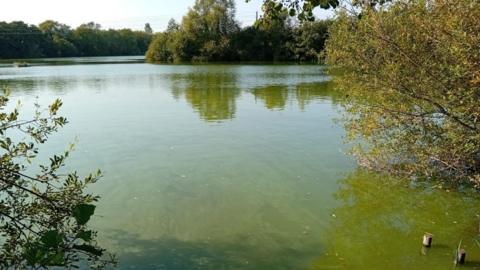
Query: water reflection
[212, 95]
[277, 97]
[212, 91]
[273, 96]
[58, 86]
[381, 222]
[306, 93]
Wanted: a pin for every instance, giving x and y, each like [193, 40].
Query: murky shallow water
[236, 167]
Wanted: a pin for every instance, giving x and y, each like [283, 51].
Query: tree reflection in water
[212, 95]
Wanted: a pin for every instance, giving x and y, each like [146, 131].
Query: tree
[54, 39]
[411, 71]
[43, 218]
[209, 32]
[52, 28]
[60, 36]
[309, 40]
[148, 29]
[277, 31]
[207, 27]
[91, 40]
[172, 26]
[20, 40]
[161, 48]
[88, 40]
[303, 8]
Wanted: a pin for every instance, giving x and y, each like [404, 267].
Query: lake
[236, 167]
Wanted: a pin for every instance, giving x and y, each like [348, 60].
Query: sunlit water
[235, 167]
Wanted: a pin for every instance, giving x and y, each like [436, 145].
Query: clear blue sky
[115, 13]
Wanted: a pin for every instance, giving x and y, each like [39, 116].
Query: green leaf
[56, 259]
[292, 12]
[85, 235]
[279, 7]
[51, 239]
[34, 253]
[55, 106]
[89, 249]
[83, 212]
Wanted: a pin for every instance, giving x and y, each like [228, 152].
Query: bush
[412, 75]
[43, 218]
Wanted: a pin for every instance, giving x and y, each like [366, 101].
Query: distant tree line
[209, 32]
[54, 39]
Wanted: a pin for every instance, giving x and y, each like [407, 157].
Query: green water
[236, 167]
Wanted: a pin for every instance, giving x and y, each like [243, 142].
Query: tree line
[209, 32]
[54, 39]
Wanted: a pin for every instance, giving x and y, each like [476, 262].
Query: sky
[116, 13]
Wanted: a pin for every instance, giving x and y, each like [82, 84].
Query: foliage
[203, 34]
[412, 74]
[91, 40]
[19, 39]
[148, 29]
[60, 36]
[43, 218]
[54, 39]
[161, 48]
[302, 8]
[209, 32]
[309, 40]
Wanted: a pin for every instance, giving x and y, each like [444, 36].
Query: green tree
[203, 35]
[91, 40]
[43, 217]
[172, 26]
[277, 31]
[20, 40]
[209, 32]
[60, 36]
[88, 39]
[161, 48]
[302, 8]
[414, 94]
[309, 40]
[148, 29]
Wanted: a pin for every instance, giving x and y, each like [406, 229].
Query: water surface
[235, 167]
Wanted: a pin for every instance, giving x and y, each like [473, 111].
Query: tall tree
[60, 35]
[20, 40]
[206, 29]
[412, 72]
[148, 29]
